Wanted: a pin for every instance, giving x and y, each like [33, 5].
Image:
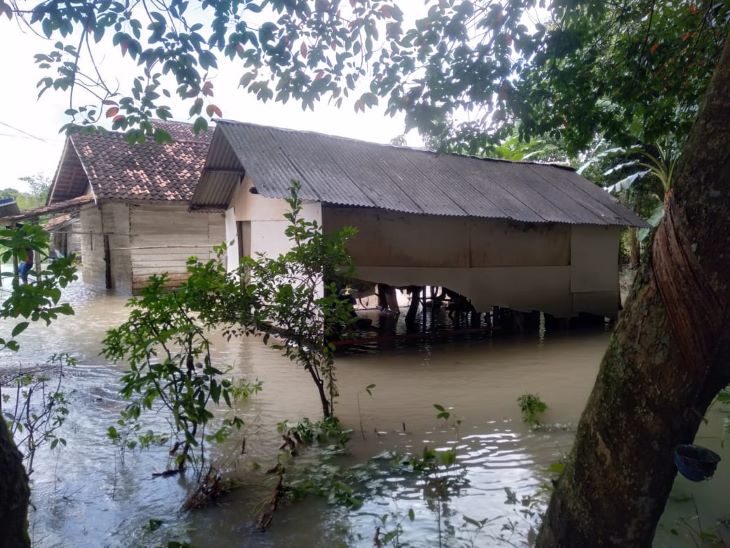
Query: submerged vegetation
[532, 408]
[291, 301]
[36, 414]
[35, 406]
[388, 500]
[170, 369]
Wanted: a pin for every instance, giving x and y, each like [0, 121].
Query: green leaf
[162, 136]
[556, 467]
[19, 328]
[200, 125]
[47, 26]
[447, 458]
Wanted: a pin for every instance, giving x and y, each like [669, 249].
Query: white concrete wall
[267, 221]
[231, 234]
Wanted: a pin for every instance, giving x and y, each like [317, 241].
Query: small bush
[532, 407]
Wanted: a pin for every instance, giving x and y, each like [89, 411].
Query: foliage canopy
[462, 71]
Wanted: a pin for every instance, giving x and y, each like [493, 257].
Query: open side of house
[132, 204]
[519, 235]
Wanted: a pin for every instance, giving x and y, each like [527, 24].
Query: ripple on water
[86, 495]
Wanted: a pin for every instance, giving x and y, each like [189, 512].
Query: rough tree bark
[634, 253]
[14, 493]
[668, 357]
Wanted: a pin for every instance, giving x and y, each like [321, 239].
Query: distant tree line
[36, 196]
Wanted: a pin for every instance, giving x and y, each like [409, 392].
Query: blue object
[24, 269]
[694, 462]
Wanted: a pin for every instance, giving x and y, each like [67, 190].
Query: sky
[30, 142]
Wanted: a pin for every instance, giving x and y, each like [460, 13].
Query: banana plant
[661, 166]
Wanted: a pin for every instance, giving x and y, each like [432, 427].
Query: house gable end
[71, 179]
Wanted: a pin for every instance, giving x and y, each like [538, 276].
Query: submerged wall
[555, 268]
[144, 239]
[560, 269]
[164, 236]
[93, 266]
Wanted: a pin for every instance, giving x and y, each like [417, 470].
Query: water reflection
[87, 495]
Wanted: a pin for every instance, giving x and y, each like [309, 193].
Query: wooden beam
[108, 261]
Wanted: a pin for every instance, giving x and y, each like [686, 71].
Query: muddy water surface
[88, 494]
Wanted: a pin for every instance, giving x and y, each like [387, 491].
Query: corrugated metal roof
[340, 171]
[8, 207]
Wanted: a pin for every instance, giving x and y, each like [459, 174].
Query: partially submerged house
[65, 233]
[133, 206]
[518, 235]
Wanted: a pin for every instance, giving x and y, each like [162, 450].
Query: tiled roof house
[134, 217]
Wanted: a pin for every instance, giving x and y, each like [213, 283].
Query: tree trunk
[667, 359]
[14, 493]
[634, 257]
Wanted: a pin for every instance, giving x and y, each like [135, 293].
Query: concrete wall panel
[232, 256]
[398, 239]
[594, 259]
[267, 220]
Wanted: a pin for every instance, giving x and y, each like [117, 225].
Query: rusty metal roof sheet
[60, 222]
[117, 170]
[341, 171]
[72, 204]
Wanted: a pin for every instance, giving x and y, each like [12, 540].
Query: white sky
[29, 138]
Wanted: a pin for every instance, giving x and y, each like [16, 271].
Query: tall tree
[468, 69]
[14, 492]
[667, 359]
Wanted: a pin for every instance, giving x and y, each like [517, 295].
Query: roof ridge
[103, 132]
[399, 147]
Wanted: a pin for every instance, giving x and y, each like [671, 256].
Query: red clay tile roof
[149, 171]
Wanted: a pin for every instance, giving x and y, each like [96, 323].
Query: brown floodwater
[89, 494]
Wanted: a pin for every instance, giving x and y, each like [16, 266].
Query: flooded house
[65, 233]
[130, 207]
[517, 235]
